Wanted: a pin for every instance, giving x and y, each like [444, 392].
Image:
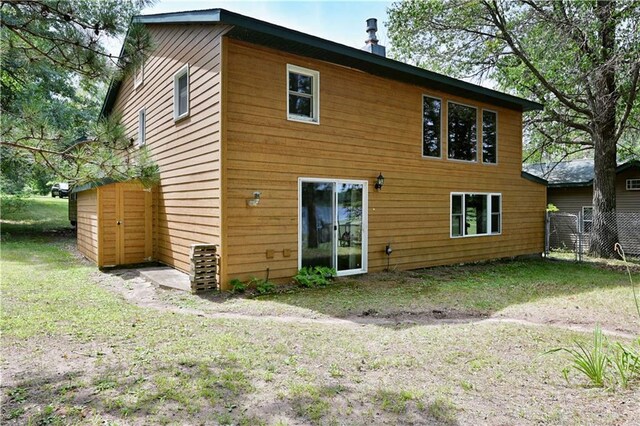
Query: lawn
[439, 346]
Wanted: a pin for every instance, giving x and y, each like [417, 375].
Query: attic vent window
[633, 184]
[181, 93]
[303, 94]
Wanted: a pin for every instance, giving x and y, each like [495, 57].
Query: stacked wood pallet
[204, 267]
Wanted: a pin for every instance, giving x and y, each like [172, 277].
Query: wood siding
[627, 201]
[186, 203]
[367, 125]
[87, 224]
[570, 200]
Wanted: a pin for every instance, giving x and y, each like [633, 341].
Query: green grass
[483, 288]
[74, 352]
[41, 214]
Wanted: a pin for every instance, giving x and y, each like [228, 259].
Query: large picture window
[489, 137]
[475, 214]
[462, 140]
[431, 126]
[302, 94]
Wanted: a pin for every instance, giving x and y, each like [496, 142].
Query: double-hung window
[181, 93]
[303, 97]
[462, 129]
[142, 127]
[431, 127]
[475, 214]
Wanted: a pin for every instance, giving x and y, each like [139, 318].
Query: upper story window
[633, 184]
[462, 141]
[475, 214]
[431, 127]
[489, 137]
[303, 98]
[181, 93]
[142, 127]
[138, 78]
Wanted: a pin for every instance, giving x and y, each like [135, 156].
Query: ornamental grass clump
[608, 364]
[592, 362]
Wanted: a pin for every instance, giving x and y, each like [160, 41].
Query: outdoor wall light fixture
[252, 202]
[388, 250]
[379, 182]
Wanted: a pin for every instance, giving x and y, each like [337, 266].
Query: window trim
[482, 140]
[442, 125]
[489, 214]
[142, 127]
[315, 95]
[586, 221]
[176, 77]
[477, 135]
[629, 185]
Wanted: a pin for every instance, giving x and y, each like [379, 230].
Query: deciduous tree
[580, 58]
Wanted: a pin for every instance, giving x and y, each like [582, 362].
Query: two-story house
[287, 150]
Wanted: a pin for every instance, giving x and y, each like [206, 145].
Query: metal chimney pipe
[372, 28]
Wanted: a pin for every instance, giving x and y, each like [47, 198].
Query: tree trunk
[604, 228]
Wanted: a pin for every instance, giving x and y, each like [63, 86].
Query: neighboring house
[570, 185]
[270, 143]
[570, 189]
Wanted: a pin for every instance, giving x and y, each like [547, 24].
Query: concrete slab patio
[166, 277]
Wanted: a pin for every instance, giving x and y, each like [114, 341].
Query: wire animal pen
[571, 233]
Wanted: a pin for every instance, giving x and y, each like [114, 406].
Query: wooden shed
[114, 223]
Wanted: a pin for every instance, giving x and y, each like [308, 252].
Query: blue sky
[339, 21]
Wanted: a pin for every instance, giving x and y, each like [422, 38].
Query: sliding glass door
[333, 225]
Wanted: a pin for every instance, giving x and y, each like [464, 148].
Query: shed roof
[284, 39]
[572, 173]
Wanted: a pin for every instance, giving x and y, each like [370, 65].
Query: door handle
[118, 222]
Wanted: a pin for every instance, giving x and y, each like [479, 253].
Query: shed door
[133, 223]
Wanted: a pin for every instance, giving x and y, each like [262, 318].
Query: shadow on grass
[195, 392]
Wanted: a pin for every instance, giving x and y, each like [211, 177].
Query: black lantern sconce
[379, 182]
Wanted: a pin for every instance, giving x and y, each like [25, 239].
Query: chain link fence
[570, 234]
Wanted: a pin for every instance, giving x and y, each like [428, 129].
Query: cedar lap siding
[237, 140]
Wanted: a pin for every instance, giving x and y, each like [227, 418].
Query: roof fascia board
[533, 178]
[256, 25]
[571, 185]
[317, 42]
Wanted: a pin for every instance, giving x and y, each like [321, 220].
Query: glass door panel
[349, 226]
[317, 224]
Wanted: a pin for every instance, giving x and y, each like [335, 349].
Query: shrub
[264, 287]
[261, 286]
[237, 286]
[11, 204]
[314, 276]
